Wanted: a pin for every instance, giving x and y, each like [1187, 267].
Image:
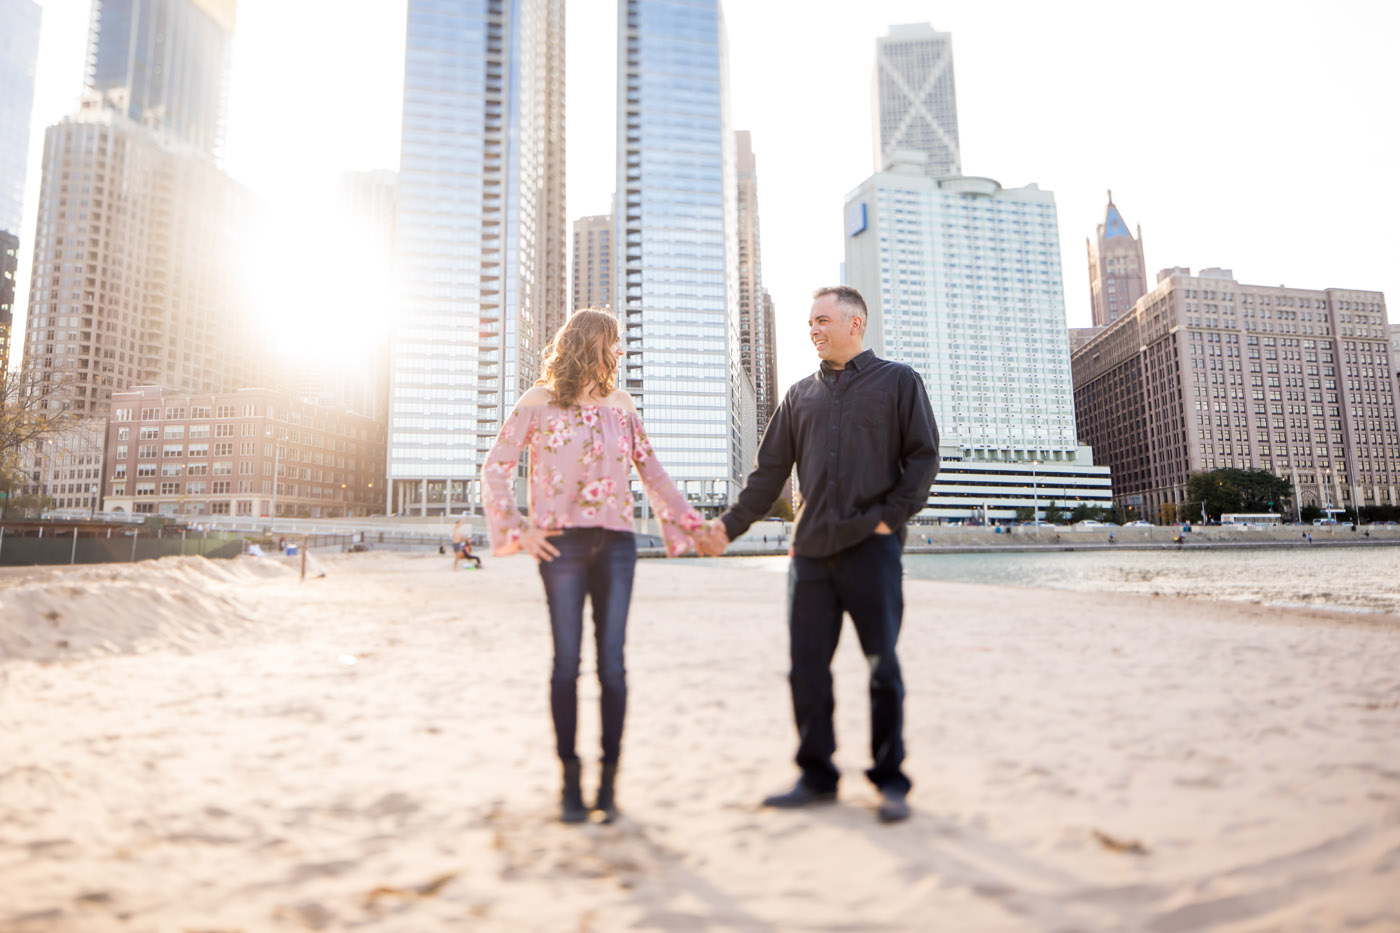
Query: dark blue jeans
[864, 580]
[596, 563]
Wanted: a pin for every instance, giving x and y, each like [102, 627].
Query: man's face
[836, 337]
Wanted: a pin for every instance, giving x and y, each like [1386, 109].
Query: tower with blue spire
[1117, 270]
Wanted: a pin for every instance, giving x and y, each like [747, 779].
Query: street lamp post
[276, 457]
[49, 491]
[1035, 498]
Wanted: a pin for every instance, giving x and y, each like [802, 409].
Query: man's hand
[883, 529]
[713, 540]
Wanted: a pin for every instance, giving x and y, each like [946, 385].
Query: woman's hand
[535, 542]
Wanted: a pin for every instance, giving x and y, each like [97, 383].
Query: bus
[1251, 518]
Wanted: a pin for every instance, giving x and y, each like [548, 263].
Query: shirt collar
[856, 363]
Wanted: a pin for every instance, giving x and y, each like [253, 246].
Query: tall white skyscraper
[963, 281]
[915, 104]
[675, 220]
[481, 236]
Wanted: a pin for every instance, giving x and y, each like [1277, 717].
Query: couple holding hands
[861, 433]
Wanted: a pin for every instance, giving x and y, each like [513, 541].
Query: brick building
[1205, 372]
[177, 454]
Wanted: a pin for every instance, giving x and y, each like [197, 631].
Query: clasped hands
[712, 539]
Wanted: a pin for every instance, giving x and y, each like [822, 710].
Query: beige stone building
[593, 262]
[136, 273]
[178, 454]
[1205, 372]
[1079, 336]
[1395, 352]
[1117, 270]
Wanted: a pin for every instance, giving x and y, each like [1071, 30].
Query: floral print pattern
[580, 465]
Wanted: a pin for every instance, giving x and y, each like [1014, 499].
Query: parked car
[1324, 521]
[1138, 524]
[1089, 523]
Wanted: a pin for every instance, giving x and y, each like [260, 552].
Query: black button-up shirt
[866, 449]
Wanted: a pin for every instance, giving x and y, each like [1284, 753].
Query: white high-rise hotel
[962, 277]
[963, 282]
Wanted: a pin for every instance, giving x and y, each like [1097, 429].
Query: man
[462, 544]
[862, 435]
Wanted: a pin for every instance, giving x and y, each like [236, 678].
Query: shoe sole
[816, 801]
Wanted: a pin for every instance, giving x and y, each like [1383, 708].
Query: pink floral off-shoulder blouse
[580, 465]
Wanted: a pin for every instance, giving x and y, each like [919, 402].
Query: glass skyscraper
[481, 236]
[19, 51]
[165, 64]
[677, 295]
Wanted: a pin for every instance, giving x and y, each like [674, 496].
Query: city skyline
[1242, 161]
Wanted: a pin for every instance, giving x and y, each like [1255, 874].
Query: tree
[1025, 514]
[1310, 513]
[30, 410]
[782, 508]
[1235, 490]
[1054, 514]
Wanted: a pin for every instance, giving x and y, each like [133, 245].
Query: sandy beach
[194, 745]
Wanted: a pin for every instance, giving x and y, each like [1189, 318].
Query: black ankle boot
[572, 809]
[607, 798]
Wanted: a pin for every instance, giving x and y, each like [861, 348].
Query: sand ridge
[235, 749]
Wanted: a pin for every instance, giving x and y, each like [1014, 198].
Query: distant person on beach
[462, 544]
[862, 434]
[583, 435]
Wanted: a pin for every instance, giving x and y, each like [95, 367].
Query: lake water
[1363, 579]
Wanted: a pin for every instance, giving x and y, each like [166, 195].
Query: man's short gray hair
[848, 300]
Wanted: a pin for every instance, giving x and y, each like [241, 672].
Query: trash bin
[291, 550]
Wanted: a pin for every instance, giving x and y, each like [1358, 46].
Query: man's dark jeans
[866, 581]
[597, 563]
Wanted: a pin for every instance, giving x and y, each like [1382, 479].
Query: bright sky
[1256, 136]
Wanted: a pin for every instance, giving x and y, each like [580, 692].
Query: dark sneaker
[801, 795]
[893, 807]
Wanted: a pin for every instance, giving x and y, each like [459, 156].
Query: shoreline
[758, 550]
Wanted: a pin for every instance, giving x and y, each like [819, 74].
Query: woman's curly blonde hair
[581, 357]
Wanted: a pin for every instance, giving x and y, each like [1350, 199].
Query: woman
[583, 435]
